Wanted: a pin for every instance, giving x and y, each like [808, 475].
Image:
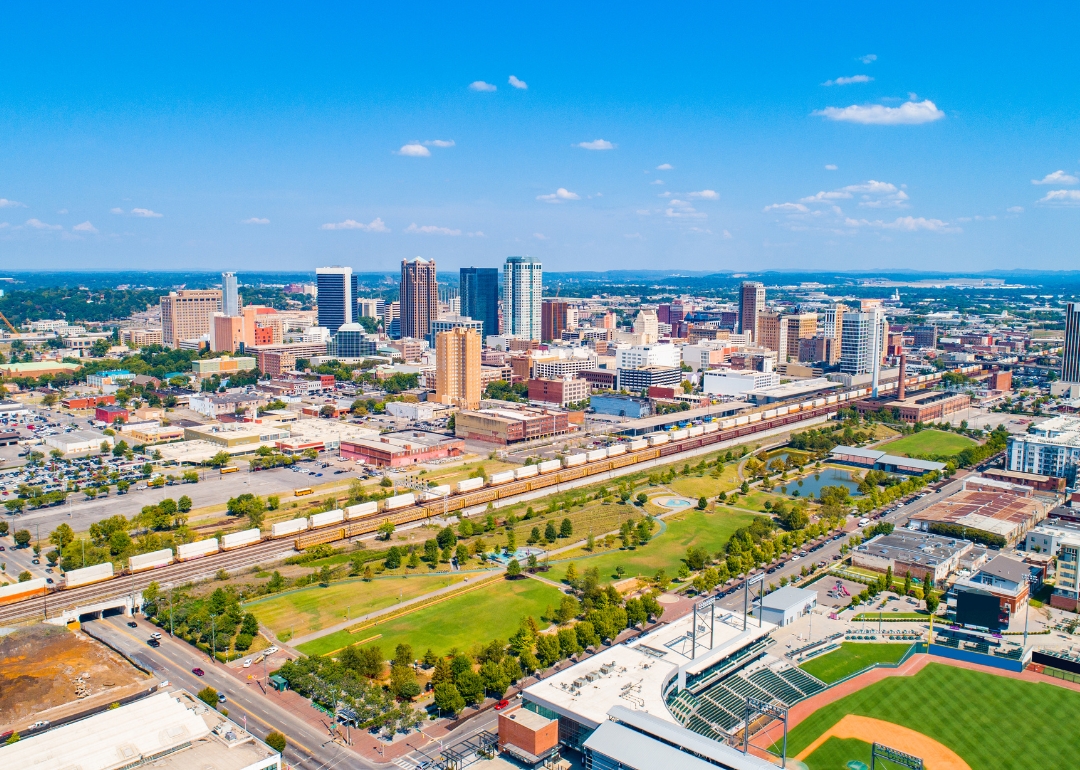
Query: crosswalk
[405, 763]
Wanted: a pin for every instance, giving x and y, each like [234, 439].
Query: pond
[783, 455]
[812, 483]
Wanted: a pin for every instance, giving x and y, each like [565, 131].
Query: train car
[437, 492]
[712, 427]
[16, 592]
[742, 419]
[817, 402]
[84, 577]
[325, 535]
[656, 439]
[526, 471]
[752, 418]
[400, 501]
[595, 454]
[361, 509]
[286, 528]
[468, 485]
[240, 539]
[768, 414]
[695, 430]
[616, 449]
[830, 399]
[679, 435]
[637, 444]
[782, 410]
[161, 558]
[502, 478]
[326, 518]
[549, 466]
[198, 548]
[729, 423]
[573, 460]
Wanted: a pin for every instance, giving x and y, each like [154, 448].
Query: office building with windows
[188, 314]
[231, 294]
[337, 293]
[552, 320]
[479, 290]
[457, 373]
[419, 297]
[352, 341]
[447, 323]
[862, 341]
[523, 288]
[1070, 353]
[751, 303]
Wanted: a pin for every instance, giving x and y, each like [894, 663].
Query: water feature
[813, 483]
[521, 554]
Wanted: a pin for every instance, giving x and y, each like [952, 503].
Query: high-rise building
[751, 303]
[352, 341]
[370, 308]
[862, 343]
[523, 287]
[419, 296]
[771, 333]
[230, 294]
[647, 326]
[924, 336]
[457, 373]
[800, 326]
[479, 290]
[552, 319]
[337, 296]
[450, 322]
[1070, 353]
[188, 314]
[834, 320]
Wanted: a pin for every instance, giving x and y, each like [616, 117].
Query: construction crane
[8, 323]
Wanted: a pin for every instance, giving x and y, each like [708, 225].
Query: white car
[247, 663]
[271, 650]
[863, 522]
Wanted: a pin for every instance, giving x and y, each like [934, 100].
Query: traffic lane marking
[249, 713]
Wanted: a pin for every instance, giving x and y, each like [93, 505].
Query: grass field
[990, 721]
[931, 442]
[311, 609]
[852, 657]
[666, 551]
[835, 753]
[492, 612]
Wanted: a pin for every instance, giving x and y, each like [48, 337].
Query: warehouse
[394, 450]
[78, 441]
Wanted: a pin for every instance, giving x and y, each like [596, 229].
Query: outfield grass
[316, 607]
[931, 442]
[990, 721]
[492, 612]
[666, 551]
[852, 657]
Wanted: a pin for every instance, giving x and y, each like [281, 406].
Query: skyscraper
[751, 303]
[834, 320]
[1070, 352]
[480, 297]
[188, 314]
[800, 326]
[419, 296]
[523, 287]
[230, 295]
[861, 343]
[457, 371]
[337, 296]
[552, 320]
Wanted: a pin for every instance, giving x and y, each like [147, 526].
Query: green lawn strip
[316, 607]
[931, 442]
[665, 551]
[990, 721]
[492, 612]
[836, 753]
[893, 616]
[852, 657]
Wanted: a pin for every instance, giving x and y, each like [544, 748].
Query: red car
[197, 671]
[502, 704]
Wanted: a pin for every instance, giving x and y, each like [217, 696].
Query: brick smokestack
[900, 389]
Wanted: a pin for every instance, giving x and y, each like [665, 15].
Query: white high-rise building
[230, 300]
[647, 326]
[523, 287]
[862, 340]
[647, 355]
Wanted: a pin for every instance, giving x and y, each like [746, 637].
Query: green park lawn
[310, 609]
[990, 721]
[852, 657]
[665, 551]
[931, 442]
[492, 612]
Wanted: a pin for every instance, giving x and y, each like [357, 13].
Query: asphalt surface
[173, 661]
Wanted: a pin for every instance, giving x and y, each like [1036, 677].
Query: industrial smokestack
[900, 389]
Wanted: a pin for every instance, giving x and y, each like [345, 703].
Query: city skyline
[787, 145]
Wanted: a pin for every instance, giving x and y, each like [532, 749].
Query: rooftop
[1007, 569]
[1000, 512]
[914, 547]
[786, 597]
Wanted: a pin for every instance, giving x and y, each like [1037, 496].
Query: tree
[471, 686]
[3, 528]
[386, 529]
[550, 533]
[642, 498]
[22, 537]
[324, 574]
[276, 741]
[221, 458]
[448, 699]
[547, 649]
[24, 576]
[702, 503]
[513, 569]
[183, 504]
[209, 696]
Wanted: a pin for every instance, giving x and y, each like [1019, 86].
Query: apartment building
[419, 294]
[457, 374]
[188, 314]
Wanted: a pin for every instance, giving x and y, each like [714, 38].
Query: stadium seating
[805, 683]
[778, 687]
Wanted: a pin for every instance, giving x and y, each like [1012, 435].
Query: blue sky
[691, 136]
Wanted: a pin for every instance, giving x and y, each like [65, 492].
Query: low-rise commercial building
[641, 379]
[416, 411]
[785, 605]
[917, 553]
[223, 366]
[729, 382]
[877, 460]
[601, 379]
[78, 441]
[932, 406]
[213, 405]
[395, 450]
[561, 392]
[985, 506]
[510, 423]
[621, 406]
[110, 413]
[237, 435]
[88, 402]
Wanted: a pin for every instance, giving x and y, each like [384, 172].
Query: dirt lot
[38, 671]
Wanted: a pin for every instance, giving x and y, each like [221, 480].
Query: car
[2, 547]
[197, 671]
[153, 642]
[40, 723]
[49, 580]
[132, 624]
[156, 634]
[221, 697]
[49, 569]
[271, 650]
[247, 663]
[795, 557]
[35, 561]
[501, 705]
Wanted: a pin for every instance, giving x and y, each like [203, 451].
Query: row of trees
[215, 623]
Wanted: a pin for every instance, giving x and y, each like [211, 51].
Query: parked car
[502, 704]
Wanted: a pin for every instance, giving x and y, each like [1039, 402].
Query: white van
[863, 522]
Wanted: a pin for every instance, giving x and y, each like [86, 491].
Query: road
[309, 748]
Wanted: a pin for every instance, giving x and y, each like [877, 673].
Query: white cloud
[657, 181]
[1061, 198]
[116, 211]
[596, 144]
[664, 167]
[518, 83]
[823, 196]
[874, 194]
[540, 237]
[375, 226]
[643, 212]
[709, 195]
[909, 224]
[685, 211]
[562, 194]
[255, 221]
[5, 203]
[62, 211]
[633, 236]
[85, 227]
[477, 234]
[1058, 177]
[908, 114]
[4, 224]
[870, 57]
[37, 224]
[480, 85]
[431, 230]
[146, 214]
[787, 208]
[440, 143]
[414, 150]
[848, 81]
[1015, 209]
[830, 167]
[726, 235]
[702, 230]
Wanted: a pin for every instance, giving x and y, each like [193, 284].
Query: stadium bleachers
[805, 683]
[771, 682]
